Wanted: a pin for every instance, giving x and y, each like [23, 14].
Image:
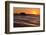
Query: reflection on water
[26, 20]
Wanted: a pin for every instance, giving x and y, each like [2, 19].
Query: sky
[35, 11]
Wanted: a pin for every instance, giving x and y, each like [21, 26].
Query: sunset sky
[35, 11]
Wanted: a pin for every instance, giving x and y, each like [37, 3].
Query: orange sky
[35, 11]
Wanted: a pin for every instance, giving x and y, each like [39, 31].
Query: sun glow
[36, 11]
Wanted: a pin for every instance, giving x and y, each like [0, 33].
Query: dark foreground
[26, 21]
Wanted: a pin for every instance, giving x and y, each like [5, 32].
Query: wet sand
[26, 21]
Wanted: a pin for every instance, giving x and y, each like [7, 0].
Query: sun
[34, 12]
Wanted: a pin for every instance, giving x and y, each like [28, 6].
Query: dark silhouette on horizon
[20, 14]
